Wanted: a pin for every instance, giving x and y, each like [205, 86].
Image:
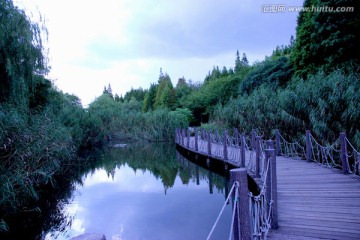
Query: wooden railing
[239, 150]
[256, 221]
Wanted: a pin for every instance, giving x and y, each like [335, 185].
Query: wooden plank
[314, 202]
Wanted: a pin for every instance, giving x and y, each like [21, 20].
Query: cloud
[125, 42]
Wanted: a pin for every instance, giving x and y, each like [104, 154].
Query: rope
[236, 210]
[222, 209]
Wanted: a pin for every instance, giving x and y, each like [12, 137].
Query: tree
[327, 40]
[109, 89]
[149, 99]
[244, 61]
[271, 72]
[224, 72]
[165, 94]
[237, 62]
[240, 65]
[21, 54]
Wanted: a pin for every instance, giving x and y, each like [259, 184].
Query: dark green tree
[165, 93]
[238, 64]
[271, 72]
[21, 54]
[244, 61]
[327, 40]
[224, 72]
[149, 99]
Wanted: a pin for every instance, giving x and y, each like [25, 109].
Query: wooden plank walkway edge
[314, 202]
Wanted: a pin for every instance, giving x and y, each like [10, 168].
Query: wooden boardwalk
[314, 202]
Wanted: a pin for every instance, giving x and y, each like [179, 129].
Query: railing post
[343, 153]
[308, 146]
[241, 228]
[225, 146]
[176, 136]
[258, 152]
[277, 139]
[209, 143]
[274, 212]
[196, 140]
[242, 150]
[188, 138]
[269, 144]
[182, 133]
[236, 135]
[217, 139]
[253, 136]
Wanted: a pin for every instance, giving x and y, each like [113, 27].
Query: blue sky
[126, 42]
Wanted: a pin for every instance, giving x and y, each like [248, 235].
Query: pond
[146, 192]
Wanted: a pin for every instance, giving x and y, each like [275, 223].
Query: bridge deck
[314, 202]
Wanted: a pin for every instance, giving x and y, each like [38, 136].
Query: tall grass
[126, 122]
[324, 104]
[32, 149]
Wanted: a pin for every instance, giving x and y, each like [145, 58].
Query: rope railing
[262, 208]
[324, 155]
[353, 159]
[336, 155]
[290, 149]
[234, 186]
[260, 212]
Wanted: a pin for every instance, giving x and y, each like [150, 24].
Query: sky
[124, 43]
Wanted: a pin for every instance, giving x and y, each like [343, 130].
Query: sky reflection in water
[135, 205]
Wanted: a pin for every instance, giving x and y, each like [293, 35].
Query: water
[148, 192]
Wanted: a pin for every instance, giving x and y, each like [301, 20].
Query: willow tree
[21, 54]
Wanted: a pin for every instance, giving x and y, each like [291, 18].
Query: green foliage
[32, 150]
[202, 101]
[183, 90]
[326, 40]
[257, 110]
[274, 73]
[165, 94]
[137, 94]
[126, 120]
[240, 64]
[21, 55]
[149, 99]
[326, 104]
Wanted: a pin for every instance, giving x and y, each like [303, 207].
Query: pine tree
[109, 90]
[149, 100]
[164, 93]
[224, 72]
[244, 61]
[238, 65]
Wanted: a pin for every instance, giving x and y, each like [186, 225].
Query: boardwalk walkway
[314, 201]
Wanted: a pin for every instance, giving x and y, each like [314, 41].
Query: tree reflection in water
[160, 159]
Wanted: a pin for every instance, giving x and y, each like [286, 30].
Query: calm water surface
[151, 192]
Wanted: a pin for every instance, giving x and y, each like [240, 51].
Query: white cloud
[125, 42]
